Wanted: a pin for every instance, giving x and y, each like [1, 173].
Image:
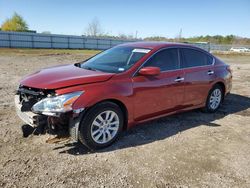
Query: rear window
[194, 58]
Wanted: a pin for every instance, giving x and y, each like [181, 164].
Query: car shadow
[167, 126]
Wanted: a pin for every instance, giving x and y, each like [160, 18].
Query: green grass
[27, 51]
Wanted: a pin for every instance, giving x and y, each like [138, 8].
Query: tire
[97, 129]
[212, 105]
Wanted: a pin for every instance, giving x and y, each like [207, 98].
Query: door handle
[210, 72]
[179, 79]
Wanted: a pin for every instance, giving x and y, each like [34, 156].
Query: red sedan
[120, 87]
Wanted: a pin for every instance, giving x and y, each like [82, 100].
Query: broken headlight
[55, 104]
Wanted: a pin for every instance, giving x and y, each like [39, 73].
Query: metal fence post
[51, 42]
[9, 40]
[32, 41]
[68, 42]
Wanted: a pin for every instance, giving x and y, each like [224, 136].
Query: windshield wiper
[89, 68]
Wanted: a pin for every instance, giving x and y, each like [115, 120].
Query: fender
[97, 92]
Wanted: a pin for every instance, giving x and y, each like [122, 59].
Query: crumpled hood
[63, 76]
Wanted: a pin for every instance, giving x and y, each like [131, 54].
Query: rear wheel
[101, 125]
[214, 99]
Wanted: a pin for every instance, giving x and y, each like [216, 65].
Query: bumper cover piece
[28, 117]
[35, 120]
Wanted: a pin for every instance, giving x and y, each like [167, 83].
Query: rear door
[199, 74]
[156, 95]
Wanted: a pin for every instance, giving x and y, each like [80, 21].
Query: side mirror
[150, 71]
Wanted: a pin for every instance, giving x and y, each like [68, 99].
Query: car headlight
[55, 104]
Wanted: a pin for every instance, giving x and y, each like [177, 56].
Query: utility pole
[136, 33]
[180, 35]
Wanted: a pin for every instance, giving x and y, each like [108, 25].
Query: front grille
[25, 98]
[29, 96]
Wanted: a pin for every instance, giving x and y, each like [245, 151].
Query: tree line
[94, 29]
[216, 39]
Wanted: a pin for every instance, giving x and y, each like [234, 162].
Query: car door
[156, 95]
[199, 74]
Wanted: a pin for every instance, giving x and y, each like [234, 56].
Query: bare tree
[94, 28]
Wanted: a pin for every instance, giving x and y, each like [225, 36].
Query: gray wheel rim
[215, 99]
[105, 127]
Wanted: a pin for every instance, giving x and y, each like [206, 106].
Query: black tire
[208, 108]
[85, 135]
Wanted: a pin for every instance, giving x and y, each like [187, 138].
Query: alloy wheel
[215, 99]
[105, 127]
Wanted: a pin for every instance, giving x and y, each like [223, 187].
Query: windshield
[115, 60]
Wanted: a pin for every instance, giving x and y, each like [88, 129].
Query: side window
[194, 58]
[209, 60]
[165, 60]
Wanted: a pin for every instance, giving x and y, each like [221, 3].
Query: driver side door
[163, 93]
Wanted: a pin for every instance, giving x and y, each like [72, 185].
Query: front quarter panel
[114, 89]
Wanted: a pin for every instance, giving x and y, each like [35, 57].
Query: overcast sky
[148, 17]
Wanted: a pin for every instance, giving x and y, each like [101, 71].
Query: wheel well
[124, 111]
[222, 85]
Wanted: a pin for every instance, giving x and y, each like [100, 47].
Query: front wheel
[214, 99]
[101, 125]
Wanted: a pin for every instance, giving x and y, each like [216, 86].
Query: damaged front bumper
[72, 119]
[29, 117]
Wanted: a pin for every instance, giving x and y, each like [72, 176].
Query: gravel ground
[191, 149]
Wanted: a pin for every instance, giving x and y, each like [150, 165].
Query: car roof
[154, 45]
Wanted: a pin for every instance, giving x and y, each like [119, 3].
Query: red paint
[147, 95]
[63, 76]
[150, 71]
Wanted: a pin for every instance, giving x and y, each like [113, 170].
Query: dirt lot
[192, 149]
